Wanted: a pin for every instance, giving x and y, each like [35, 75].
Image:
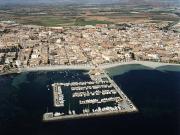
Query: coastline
[57, 67]
[149, 64]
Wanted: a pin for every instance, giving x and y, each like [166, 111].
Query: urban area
[25, 46]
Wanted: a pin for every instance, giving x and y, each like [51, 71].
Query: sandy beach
[103, 66]
[149, 64]
[144, 63]
[57, 67]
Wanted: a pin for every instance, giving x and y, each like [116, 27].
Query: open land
[90, 14]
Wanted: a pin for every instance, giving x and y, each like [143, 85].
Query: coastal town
[30, 46]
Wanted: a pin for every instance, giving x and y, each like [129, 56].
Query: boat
[69, 112]
[73, 112]
[56, 114]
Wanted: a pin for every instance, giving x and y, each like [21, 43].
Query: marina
[100, 96]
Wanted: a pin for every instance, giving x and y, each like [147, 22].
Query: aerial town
[25, 46]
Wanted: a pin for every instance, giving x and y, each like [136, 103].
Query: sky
[74, 1]
[58, 1]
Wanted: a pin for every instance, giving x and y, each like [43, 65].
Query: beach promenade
[58, 67]
[149, 64]
[90, 66]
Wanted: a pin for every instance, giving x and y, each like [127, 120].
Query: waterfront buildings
[23, 46]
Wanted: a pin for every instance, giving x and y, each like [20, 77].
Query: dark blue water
[24, 98]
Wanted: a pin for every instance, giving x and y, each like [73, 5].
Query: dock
[58, 97]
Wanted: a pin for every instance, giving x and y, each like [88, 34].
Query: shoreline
[149, 64]
[57, 67]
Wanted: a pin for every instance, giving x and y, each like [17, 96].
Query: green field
[52, 21]
[83, 22]
[46, 21]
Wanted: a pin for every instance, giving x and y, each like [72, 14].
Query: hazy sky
[58, 1]
[73, 1]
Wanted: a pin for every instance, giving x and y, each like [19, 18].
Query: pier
[58, 97]
[99, 97]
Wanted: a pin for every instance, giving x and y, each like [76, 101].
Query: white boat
[70, 113]
[56, 114]
[73, 112]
